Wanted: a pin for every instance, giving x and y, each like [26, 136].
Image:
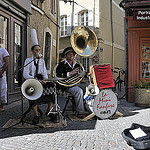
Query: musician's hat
[67, 50]
[34, 37]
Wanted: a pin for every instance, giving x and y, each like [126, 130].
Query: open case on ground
[137, 136]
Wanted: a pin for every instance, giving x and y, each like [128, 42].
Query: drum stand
[56, 107]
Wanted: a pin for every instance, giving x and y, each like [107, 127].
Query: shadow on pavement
[128, 109]
[16, 112]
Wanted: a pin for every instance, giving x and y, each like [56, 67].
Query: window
[47, 50]
[52, 6]
[83, 18]
[63, 26]
[3, 32]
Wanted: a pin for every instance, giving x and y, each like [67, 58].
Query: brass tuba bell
[83, 41]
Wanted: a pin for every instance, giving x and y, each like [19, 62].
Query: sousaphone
[84, 43]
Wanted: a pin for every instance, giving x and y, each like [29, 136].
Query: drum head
[105, 104]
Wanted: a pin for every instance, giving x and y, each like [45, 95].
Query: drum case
[139, 143]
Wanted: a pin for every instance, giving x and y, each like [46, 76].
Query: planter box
[141, 97]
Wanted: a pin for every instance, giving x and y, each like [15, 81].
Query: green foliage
[141, 84]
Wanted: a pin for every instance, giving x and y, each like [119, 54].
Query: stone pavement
[77, 135]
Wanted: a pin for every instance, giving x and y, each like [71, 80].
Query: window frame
[64, 26]
[52, 6]
[84, 15]
[50, 53]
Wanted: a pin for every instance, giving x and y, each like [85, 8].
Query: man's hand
[74, 71]
[43, 81]
[1, 73]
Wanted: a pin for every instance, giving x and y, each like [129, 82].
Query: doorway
[13, 33]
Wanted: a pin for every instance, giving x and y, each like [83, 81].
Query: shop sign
[141, 15]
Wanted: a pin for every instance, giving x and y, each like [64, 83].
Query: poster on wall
[146, 59]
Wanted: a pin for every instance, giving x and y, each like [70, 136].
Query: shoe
[1, 109]
[35, 120]
[80, 116]
[54, 117]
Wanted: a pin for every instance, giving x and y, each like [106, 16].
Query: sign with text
[141, 15]
[105, 104]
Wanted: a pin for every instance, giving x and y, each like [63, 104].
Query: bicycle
[119, 88]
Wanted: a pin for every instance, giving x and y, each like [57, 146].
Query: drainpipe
[126, 56]
[112, 34]
[72, 16]
[57, 50]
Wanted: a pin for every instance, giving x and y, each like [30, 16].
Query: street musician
[37, 69]
[70, 67]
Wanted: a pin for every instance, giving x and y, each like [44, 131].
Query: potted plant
[141, 93]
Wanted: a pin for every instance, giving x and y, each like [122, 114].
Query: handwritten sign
[105, 104]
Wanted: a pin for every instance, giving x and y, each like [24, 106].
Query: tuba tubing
[72, 80]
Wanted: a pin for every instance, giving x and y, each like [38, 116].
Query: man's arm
[6, 62]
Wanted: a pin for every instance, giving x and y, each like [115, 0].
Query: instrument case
[139, 143]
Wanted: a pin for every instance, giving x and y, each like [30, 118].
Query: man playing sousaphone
[70, 67]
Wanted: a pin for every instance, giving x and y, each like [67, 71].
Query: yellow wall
[113, 53]
[42, 24]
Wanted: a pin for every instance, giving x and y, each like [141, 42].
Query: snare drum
[105, 104]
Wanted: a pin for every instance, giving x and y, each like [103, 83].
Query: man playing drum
[37, 69]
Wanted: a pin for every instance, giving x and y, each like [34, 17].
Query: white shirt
[29, 70]
[74, 62]
[3, 53]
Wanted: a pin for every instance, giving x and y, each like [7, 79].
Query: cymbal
[54, 79]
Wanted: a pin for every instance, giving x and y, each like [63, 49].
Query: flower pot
[141, 97]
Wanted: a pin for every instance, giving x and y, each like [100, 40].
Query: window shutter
[90, 17]
[76, 23]
[68, 24]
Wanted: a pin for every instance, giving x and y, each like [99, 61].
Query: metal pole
[72, 17]
[57, 53]
[112, 34]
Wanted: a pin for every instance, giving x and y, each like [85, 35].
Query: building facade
[17, 18]
[106, 19]
[45, 19]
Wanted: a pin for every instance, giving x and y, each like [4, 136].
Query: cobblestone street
[93, 134]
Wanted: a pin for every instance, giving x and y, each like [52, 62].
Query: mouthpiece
[72, 58]
[39, 55]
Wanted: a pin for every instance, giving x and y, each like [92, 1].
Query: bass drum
[105, 104]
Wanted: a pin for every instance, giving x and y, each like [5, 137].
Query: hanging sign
[141, 15]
